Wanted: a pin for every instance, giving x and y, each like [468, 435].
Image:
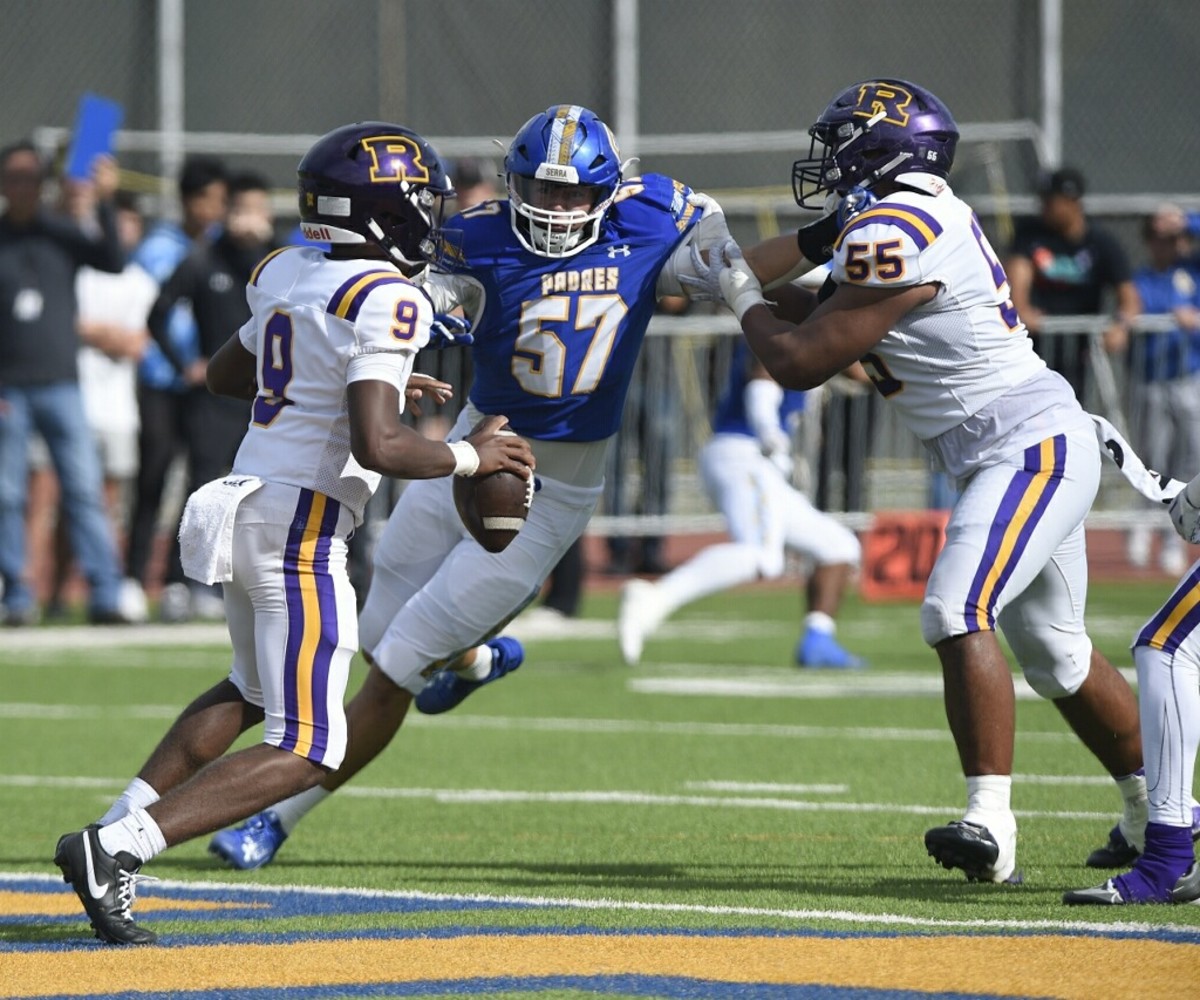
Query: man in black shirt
[1063, 264]
[39, 381]
[213, 279]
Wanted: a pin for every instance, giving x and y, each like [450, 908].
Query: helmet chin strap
[390, 247]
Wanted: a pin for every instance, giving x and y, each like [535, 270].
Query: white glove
[781, 458]
[710, 235]
[1185, 512]
[739, 287]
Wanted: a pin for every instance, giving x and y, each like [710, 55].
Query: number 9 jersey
[318, 324]
[949, 359]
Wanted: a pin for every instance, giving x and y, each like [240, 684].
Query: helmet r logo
[395, 158]
[886, 97]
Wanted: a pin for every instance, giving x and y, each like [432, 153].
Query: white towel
[1150, 484]
[206, 530]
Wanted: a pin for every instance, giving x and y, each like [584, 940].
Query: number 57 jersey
[556, 340]
[317, 325]
[965, 352]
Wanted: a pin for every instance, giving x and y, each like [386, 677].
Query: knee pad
[772, 561]
[937, 623]
[1054, 669]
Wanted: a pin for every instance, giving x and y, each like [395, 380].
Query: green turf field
[715, 787]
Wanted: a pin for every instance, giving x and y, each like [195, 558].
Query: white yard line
[812, 685]
[528, 724]
[501, 796]
[766, 786]
[1114, 929]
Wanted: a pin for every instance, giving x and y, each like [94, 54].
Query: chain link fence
[716, 94]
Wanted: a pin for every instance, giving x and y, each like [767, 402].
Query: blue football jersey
[730, 417]
[557, 340]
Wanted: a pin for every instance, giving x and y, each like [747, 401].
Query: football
[494, 507]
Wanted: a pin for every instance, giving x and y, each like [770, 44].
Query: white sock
[137, 834]
[138, 795]
[709, 571]
[292, 811]
[818, 621]
[480, 668]
[988, 797]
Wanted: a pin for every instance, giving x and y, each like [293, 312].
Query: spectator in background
[1164, 381]
[112, 327]
[1063, 264]
[213, 279]
[647, 436]
[162, 390]
[40, 253]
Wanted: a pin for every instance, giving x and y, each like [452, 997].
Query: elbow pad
[816, 239]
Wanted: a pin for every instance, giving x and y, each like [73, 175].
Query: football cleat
[446, 690]
[106, 885]
[1185, 890]
[972, 848]
[640, 615]
[251, 845]
[1120, 853]
[820, 649]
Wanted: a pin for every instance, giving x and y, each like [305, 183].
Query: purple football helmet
[873, 131]
[375, 182]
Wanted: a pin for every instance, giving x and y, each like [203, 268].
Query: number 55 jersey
[317, 325]
[960, 369]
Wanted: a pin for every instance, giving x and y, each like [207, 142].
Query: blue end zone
[644, 986]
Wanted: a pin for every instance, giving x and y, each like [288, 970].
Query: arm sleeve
[178, 286]
[762, 399]
[449, 291]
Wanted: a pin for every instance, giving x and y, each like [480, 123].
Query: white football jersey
[317, 325]
[948, 359]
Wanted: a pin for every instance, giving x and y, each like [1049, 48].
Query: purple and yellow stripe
[917, 223]
[264, 262]
[1021, 509]
[312, 625]
[349, 298]
[1176, 619]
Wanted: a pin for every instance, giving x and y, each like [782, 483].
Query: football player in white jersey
[561, 280]
[746, 469]
[326, 359]
[1167, 654]
[918, 295]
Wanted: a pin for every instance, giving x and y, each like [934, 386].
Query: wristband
[466, 458]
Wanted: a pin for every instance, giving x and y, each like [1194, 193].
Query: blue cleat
[447, 689]
[251, 845]
[820, 649]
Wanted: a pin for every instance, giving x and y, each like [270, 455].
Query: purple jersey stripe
[295, 614]
[328, 640]
[347, 304]
[924, 216]
[1185, 588]
[1010, 505]
[1060, 461]
[882, 216]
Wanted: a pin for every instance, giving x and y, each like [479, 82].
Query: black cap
[1066, 181]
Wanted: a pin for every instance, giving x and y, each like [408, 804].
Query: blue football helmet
[873, 131]
[374, 182]
[562, 170]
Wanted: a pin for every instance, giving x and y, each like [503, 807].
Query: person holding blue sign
[40, 253]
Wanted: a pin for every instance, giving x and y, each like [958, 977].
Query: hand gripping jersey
[556, 339]
[317, 325]
[731, 416]
[950, 358]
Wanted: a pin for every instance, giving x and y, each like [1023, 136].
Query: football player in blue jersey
[560, 280]
[918, 295]
[746, 469]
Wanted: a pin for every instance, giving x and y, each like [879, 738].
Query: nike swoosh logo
[95, 888]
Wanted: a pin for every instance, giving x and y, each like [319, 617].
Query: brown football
[493, 507]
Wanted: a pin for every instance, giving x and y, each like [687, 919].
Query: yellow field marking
[63, 904]
[1069, 967]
